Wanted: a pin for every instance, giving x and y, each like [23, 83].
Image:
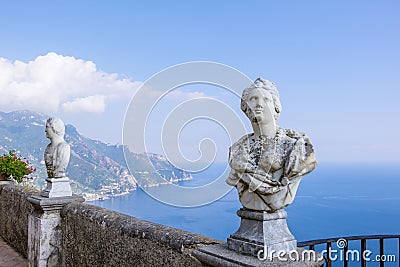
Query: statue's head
[55, 126]
[261, 84]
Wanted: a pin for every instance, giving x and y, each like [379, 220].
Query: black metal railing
[311, 245]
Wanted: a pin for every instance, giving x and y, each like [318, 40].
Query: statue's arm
[301, 160]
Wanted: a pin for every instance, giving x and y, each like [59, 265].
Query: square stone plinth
[57, 187]
[262, 230]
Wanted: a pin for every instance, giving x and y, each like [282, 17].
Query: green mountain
[96, 169]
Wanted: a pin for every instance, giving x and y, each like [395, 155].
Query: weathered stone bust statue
[268, 164]
[266, 168]
[57, 153]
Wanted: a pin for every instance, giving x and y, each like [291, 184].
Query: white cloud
[53, 81]
[183, 95]
[93, 104]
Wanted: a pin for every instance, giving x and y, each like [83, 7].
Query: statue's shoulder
[234, 149]
[298, 139]
[63, 146]
[238, 146]
[241, 140]
[293, 134]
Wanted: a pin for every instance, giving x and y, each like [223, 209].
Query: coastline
[107, 194]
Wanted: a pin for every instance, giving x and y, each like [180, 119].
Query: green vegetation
[13, 167]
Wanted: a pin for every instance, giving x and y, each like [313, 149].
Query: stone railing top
[134, 227]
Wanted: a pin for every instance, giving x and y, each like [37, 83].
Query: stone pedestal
[44, 230]
[263, 239]
[219, 255]
[262, 231]
[57, 187]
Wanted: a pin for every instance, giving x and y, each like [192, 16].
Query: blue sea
[335, 200]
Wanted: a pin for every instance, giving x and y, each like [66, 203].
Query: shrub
[15, 168]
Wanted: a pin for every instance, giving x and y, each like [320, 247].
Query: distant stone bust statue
[57, 153]
[268, 164]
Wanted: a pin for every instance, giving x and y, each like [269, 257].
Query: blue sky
[335, 63]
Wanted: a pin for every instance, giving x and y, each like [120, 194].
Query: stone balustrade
[14, 211]
[93, 236]
[66, 232]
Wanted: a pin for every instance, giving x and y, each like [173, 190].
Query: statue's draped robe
[57, 159]
[268, 165]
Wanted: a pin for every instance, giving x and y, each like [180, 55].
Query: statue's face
[261, 106]
[49, 131]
